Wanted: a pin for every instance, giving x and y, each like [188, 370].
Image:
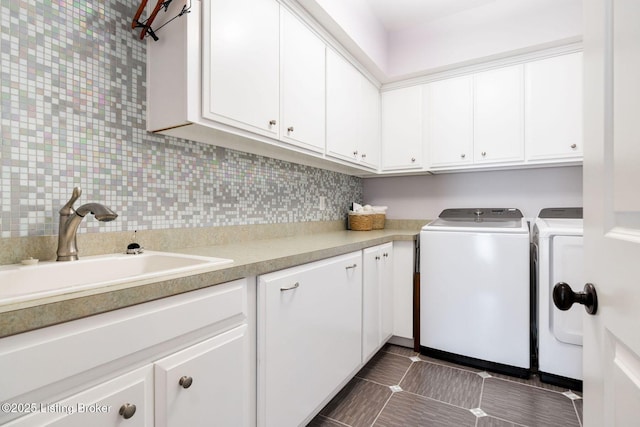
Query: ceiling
[395, 15]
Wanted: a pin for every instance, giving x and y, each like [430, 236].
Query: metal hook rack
[146, 24]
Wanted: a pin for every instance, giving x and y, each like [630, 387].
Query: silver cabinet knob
[574, 146]
[413, 160]
[290, 129]
[272, 122]
[127, 410]
[462, 156]
[185, 382]
[364, 155]
[386, 255]
[377, 257]
[484, 153]
[355, 153]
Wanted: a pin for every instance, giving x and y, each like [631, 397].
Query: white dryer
[558, 257]
[475, 289]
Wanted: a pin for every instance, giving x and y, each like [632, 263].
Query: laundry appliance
[475, 289]
[558, 257]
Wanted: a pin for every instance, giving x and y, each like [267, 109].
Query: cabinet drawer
[52, 354]
[100, 406]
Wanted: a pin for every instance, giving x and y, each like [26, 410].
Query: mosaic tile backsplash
[73, 114]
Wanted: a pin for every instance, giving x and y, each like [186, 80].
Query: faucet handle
[67, 209]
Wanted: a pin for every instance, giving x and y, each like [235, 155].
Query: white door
[371, 321]
[309, 336]
[302, 84]
[612, 211]
[449, 110]
[206, 384]
[402, 128]
[553, 107]
[343, 94]
[241, 64]
[369, 124]
[498, 118]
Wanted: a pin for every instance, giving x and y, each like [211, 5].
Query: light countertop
[251, 258]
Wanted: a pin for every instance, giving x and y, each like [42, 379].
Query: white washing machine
[558, 257]
[475, 289]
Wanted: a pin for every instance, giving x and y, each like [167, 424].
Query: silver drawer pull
[351, 266]
[295, 285]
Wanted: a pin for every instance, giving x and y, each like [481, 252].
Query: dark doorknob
[564, 297]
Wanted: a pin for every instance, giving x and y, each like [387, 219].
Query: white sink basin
[24, 282]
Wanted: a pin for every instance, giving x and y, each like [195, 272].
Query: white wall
[355, 26]
[486, 31]
[424, 197]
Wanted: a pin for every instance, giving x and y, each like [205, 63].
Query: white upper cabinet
[302, 84]
[553, 108]
[369, 124]
[402, 129]
[498, 115]
[343, 89]
[241, 64]
[449, 121]
[352, 113]
[257, 76]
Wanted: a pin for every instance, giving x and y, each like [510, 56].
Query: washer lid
[559, 221]
[561, 213]
[505, 220]
[495, 214]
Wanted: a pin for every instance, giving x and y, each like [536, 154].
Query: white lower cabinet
[377, 298]
[123, 401]
[403, 268]
[205, 384]
[186, 360]
[309, 337]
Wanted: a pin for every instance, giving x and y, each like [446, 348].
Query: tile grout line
[530, 385]
[383, 406]
[480, 401]
[392, 393]
[336, 421]
[577, 415]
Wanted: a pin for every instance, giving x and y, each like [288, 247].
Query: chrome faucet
[71, 218]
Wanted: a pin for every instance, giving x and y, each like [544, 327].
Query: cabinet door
[206, 384]
[100, 406]
[403, 266]
[241, 64]
[369, 126]
[386, 292]
[309, 336]
[377, 298]
[498, 115]
[302, 84]
[449, 111]
[402, 128]
[371, 301]
[343, 93]
[553, 108]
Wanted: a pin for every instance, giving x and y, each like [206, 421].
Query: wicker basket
[360, 222]
[378, 221]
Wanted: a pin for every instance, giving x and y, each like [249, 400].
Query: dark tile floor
[400, 388]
